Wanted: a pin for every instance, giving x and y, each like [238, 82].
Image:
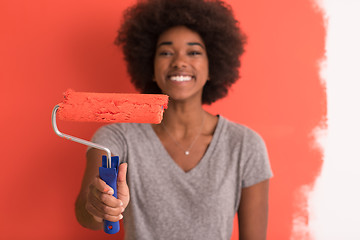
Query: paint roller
[108, 108]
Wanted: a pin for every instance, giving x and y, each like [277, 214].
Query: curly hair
[213, 20]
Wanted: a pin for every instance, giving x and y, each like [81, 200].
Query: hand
[100, 202]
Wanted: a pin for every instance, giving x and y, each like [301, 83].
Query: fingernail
[122, 210]
[121, 216]
[109, 191]
[121, 203]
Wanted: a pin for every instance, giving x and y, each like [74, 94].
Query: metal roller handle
[78, 140]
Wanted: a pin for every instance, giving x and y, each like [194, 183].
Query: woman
[191, 174]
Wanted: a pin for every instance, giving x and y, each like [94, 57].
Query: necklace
[186, 151]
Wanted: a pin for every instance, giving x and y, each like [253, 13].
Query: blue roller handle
[109, 176]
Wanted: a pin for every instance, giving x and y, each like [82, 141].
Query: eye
[165, 53]
[194, 53]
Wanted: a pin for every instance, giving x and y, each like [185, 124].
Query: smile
[180, 78]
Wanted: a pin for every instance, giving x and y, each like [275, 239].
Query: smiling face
[181, 66]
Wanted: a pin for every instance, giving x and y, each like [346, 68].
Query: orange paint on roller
[108, 107]
[112, 107]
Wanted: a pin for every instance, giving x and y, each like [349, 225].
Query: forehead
[179, 35]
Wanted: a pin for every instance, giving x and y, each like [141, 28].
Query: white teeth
[180, 78]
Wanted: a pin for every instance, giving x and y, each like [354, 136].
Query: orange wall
[48, 46]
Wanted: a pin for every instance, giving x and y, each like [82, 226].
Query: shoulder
[254, 160]
[119, 132]
[240, 132]
[118, 136]
[119, 128]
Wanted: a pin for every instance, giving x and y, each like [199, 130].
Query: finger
[98, 198]
[101, 186]
[122, 187]
[106, 204]
[110, 201]
[122, 173]
[98, 219]
[99, 215]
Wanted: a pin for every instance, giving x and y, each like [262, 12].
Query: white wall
[334, 203]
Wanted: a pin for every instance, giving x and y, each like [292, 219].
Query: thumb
[122, 187]
[122, 173]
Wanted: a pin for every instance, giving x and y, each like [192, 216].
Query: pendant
[187, 153]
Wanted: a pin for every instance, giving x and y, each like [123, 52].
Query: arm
[253, 212]
[95, 201]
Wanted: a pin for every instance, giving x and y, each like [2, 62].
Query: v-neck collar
[205, 158]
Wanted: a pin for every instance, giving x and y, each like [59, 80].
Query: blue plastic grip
[109, 176]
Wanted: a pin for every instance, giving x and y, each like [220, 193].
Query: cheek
[205, 69]
[159, 74]
[159, 67]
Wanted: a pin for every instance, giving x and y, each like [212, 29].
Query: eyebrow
[189, 43]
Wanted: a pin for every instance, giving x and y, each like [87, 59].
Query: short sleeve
[111, 136]
[256, 166]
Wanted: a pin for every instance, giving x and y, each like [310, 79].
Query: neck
[183, 117]
[183, 126]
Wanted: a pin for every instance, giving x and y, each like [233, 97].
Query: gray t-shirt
[168, 203]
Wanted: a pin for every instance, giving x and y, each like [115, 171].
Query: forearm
[253, 212]
[83, 216]
[254, 229]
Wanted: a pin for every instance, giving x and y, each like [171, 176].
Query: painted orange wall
[49, 46]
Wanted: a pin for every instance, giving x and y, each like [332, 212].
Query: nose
[179, 61]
